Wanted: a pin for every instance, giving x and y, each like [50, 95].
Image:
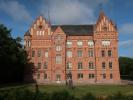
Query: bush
[89, 96]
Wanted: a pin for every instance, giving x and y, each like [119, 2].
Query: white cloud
[72, 11]
[16, 10]
[126, 28]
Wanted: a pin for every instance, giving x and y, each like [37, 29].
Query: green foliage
[89, 96]
[12, 57]
[126, 67]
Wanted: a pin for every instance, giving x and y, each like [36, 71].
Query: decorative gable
[40, 27]
[104, 24]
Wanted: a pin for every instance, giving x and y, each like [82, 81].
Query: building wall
[47, 41]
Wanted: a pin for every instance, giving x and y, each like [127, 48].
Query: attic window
[40, 26]
[105, 28]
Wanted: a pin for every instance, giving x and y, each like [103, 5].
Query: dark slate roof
[27, 33]
[74, 30]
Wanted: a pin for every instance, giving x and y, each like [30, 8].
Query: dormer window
[40, 27]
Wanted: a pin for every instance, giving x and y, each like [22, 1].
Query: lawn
[78, 91]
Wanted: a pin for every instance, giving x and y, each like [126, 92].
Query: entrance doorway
[58, 78]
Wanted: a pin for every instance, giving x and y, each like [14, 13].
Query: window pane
[58, 59]
[45, 65]
[45, 76]
[79, 43]
[80, 66]
[91, 66]
[110, 65]
[109, 53]
[46, 54]
[103, 65]
[39, 53]
[69, 65]
[39, 65]
[80, 76]
[90, 53]
[69, 44]
[69, 53]
[103, 53]
[79, 53]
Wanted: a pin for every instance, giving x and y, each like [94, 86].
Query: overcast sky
[18, 15]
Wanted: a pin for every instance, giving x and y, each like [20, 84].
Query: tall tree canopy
[126, 67]
[12, 57]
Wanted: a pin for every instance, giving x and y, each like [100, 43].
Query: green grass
[78, 91]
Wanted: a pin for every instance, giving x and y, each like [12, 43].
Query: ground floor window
[104, 76]
[38, 76]
[91, 76]
[80, 76]
[111, 76]
[45, 76]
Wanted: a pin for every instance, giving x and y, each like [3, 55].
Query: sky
[18, 15]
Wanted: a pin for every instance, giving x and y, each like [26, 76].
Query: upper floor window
[58, 37]
[91, 65]
[45, 65]
[103, 65]
[58, 48]
[90, 53]
[69, 65]
[80, 65]
[58, 59]
[90, 43]
[69, 44]
[110, 65]
[39, 65]
[46, 54]
[33, 53]
[109, 53]
[79, 53]
[39, 53]
[105, 42]
[69, 54]
[103, 53]
[79, 43]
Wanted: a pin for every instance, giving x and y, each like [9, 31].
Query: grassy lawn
[98, 90]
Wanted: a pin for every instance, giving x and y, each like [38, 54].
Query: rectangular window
[91, 76]
[91, 66]
[104, 76]
[103, 53]
[109, 53]
[39, 65]
[45, 76]
[80, 65]
[111, 76]
[46, 54]
[90, 53]
[58, 59]
[45, 65]
[103, 65]
[110, 65]
[90, 43]
[80, 76]
[79, 53]
[69, 44]
[79, 44]
[69, 65]
[69, 54]
[38, 76]
[33, 53]
[39, 53]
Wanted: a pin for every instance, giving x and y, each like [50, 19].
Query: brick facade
[88, 52]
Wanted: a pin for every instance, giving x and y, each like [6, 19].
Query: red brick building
[85, 53]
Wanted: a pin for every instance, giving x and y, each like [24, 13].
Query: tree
[12, 57]
[126, 67]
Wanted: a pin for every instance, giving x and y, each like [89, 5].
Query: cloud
[127, 28]
[71, 11]
[16, 10]
[126, 44]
